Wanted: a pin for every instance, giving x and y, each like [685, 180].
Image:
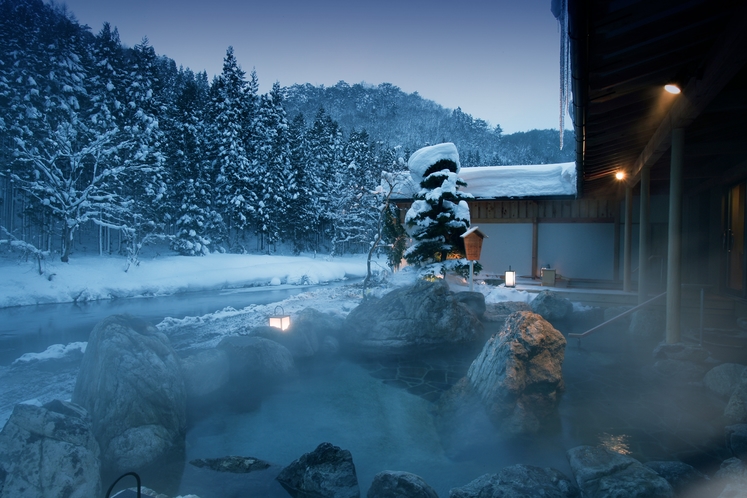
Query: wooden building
[689, 149]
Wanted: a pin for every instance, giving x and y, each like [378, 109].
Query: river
[26, 329]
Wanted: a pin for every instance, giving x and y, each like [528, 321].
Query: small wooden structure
[473, 243]
[472, 247]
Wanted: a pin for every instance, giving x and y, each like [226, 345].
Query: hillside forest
[105, 148]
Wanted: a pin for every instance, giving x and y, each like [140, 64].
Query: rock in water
[519, 481]
[425, 314]
[551, 307]
[601, 472]
[518, 375]
[326, 472]
[49, 450]
[394, 484]
[130, 382]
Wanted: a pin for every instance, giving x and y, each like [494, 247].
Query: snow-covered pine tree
[232, 108]
[278, 183]
[440, 214]
[355, 203]
[197, 222]
[299, 224]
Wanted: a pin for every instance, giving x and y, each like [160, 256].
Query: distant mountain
[396, 118]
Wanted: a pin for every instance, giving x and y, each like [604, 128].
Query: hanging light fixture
[510, 277]
[672, 88]
[280, 320]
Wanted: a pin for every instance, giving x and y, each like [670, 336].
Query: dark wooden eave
[622, 53]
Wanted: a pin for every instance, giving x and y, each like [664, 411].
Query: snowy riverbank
[89, 278]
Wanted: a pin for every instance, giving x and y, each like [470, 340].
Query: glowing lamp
[672, 88]
[620, 175]
[510, 277]
[280, 321]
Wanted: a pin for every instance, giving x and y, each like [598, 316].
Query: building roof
[623, 52]
[508, 182]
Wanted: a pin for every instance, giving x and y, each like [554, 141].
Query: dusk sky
[497, 60]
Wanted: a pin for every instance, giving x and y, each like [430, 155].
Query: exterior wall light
[620, 175]
[672, 88]
[280, 320]
[510, 277]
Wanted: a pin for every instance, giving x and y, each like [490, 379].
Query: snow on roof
[491, 182]
[424, 158]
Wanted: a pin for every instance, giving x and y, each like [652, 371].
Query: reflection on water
[618, 444]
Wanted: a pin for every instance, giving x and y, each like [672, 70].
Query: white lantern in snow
[280, 321]
[510, 277]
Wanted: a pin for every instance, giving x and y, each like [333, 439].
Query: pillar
[674, 251]
[535, 247]
[643, 234]
[627, 242]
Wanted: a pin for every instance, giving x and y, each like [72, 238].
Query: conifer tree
[440, 214]
[197, 222]
[276, 178]
[237, 183]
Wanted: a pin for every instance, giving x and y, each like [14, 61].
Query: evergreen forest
[106, 148]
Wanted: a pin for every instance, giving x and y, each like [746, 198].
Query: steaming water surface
[25, 329]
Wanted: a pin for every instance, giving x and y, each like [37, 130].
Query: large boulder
[205, 372]
[130, 381]
[551, 306]
[256, 366]
[475, 301]
[518, 374]
[681, 476]
[299, 343]
[736, 440]
[732, 477]
[423, 315]
[518, 481]
[326, 472]
[310, 332]
[49, 450]
[256, 359]
[723, 379]
[601, 472]
[394, 484]
[736, 409]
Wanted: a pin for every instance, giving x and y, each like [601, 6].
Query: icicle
[565, 65]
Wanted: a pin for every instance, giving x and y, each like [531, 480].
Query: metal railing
[615, 318]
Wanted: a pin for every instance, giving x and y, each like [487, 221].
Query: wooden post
[535, 244]
[643, 231]
[627, 242]
[674, 251]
